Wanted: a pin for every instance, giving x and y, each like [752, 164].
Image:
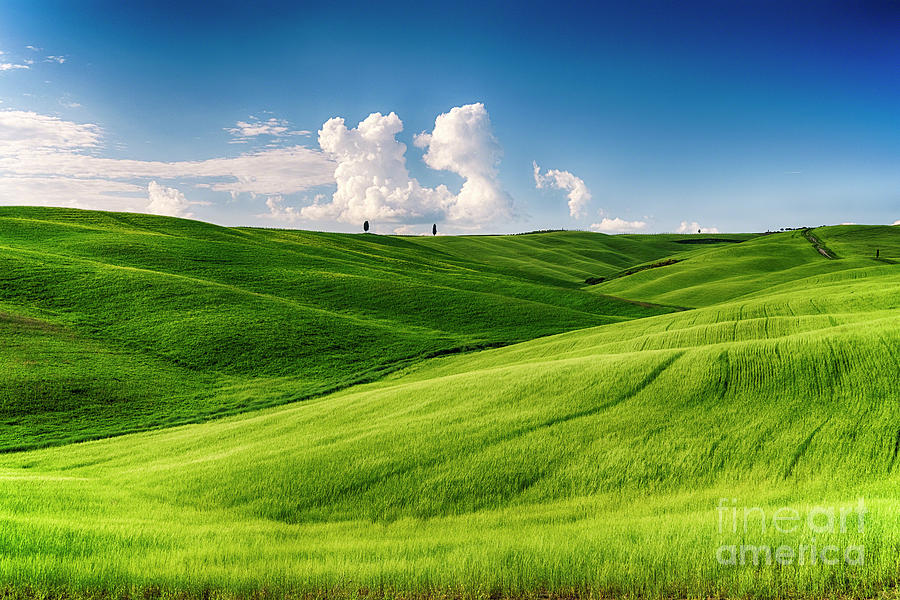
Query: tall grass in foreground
[607, 545]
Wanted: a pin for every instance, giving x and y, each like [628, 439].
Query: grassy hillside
[586, 463]
[862, 241]
[120, 322]
[567, 258]
[721, 274]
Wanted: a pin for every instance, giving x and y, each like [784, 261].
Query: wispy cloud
[53, 161]
[410, 230]
[34, 48]
[55, 59]
[27, 131]
[12, 66]
[100, 194]
[244, 131]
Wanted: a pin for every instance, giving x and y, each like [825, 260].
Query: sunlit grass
[588, 463]
[120, 322]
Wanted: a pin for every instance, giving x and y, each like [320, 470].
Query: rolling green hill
[587, 463]
[121, 322]
[731, 272]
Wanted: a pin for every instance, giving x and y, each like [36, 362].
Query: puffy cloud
[897, 222]
[463, 142]
[374, 183]
[618, 225]
[12, 67]
[167, 201]
[579, 195]
[44, 157]
[372, 179]
[693, 226]
[277, 209]
[243, 131]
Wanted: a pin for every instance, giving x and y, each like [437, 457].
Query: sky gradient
[639, 116]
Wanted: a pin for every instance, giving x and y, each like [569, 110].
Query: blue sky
[733, 116]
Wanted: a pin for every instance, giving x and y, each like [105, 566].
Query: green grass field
[326, 415]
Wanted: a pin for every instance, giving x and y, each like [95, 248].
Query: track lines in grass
[644, 383]
[890, 468]
[722, 382]
[587, 412]
[802, 448]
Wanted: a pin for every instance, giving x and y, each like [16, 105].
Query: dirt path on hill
[818, 245]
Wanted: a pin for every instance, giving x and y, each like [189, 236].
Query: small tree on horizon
[434, 229]
[366, 227]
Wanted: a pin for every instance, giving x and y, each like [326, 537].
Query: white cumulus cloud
[694, 226]
[279, 211]
[618, 225]
[463, 142]
[897, 222]
[167, 201]
[579, 195]
[373, 182]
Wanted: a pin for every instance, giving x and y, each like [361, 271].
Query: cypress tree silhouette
[366, 227]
